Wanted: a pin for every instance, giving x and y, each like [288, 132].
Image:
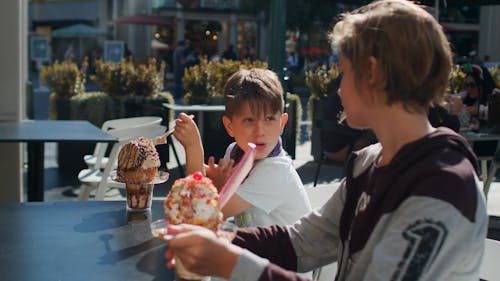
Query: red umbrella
[143, 19]
[314, 51]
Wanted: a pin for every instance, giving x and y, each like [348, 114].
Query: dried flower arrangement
[320, 80]
[456, 80]
[495, 73]
[125, 78]
[64, 78]
[205, 81]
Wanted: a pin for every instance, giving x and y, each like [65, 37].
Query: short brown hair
[261, 88]
[408, 43]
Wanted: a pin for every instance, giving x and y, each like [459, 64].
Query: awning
[159, 46]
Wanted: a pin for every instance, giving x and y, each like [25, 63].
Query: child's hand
[173, 231]
[186, 131]
[219, 173]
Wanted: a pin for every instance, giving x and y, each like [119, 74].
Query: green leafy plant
[205, 81]
[125, 78]
[64, 78]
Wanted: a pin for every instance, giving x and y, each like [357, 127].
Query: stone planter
[215, 138]
[290, 133]
[215, 142]
[59, 108]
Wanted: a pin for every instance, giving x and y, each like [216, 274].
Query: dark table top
[52, 131]
[92, 240]
[480, 136]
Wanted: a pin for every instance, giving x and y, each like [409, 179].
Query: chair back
[94, 161]
[334, 136]
[331, 137]
[130, 122]
[489, 268]
[92, 178]
[124, 136]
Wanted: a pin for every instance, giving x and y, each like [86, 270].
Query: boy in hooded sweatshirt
[410, 207]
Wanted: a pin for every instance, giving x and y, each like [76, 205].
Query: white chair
[97, 178]
[100, 149]
[489, 268]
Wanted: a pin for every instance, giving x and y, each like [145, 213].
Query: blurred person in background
[179, 63]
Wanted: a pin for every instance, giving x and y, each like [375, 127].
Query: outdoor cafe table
[36, 132]
[80, 240]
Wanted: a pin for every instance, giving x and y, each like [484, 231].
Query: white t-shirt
[275, 191]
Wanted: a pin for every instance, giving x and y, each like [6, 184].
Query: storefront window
[247, 39]
[460, 14]
[204, 36]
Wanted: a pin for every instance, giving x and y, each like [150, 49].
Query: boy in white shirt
[273, 192]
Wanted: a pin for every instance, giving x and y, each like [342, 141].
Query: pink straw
[238, 175]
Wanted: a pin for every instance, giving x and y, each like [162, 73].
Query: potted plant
[65, 80]
[319, 82]
[205, 81]
[130, 86]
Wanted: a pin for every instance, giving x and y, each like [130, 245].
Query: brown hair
[258, 87]
[409, 44]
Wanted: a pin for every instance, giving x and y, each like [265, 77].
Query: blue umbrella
[79, 31]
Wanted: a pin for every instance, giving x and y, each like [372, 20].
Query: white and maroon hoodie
[421, 217]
